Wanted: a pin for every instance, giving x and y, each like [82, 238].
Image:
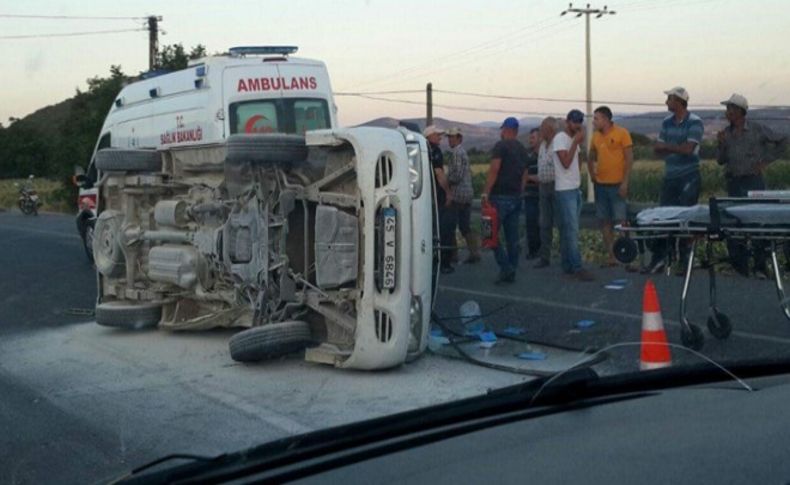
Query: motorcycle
[28, 200]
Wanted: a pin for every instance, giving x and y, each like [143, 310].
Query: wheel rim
[89, 239]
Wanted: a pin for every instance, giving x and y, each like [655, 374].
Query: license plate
[390, 247]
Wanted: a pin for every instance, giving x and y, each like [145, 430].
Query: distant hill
[475, 136]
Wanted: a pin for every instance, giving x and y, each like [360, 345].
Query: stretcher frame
[632, 242]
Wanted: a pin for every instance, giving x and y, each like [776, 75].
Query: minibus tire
[270, 341]
[128, 315]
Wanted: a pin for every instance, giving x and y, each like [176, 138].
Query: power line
[543, 99]
[656, 117]
[66, 17]
[69, 34]
[454, 62]
[432, 63]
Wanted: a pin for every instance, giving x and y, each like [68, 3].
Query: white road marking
[253, 410]
[599, 311]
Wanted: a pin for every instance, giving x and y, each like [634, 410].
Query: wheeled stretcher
[744, 219]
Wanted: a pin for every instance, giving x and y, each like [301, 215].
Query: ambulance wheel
[127, 160]
[719, 325]
[692, 337]
[270, 341]
[128, 315]
[268, 148]
[107, 251]
[625, 250]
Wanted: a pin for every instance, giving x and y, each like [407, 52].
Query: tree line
[53, 140]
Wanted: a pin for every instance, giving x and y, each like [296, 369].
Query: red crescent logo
[249, 127]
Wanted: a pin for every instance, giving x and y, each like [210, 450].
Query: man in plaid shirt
[548, 128]
[459, 176]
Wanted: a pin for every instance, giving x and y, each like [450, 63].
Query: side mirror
[78, 170]
[80, 180]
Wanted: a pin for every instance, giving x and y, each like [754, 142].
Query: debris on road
[83, 312]
[531, 355]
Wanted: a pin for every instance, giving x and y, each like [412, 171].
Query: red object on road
[489, 226]
[655, 351]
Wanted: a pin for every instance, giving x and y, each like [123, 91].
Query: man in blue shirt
[678, 143]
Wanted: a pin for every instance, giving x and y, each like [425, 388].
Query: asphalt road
[83, 403]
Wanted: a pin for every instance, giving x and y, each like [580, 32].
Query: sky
[497, 47]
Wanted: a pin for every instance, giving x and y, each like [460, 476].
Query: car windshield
[229, 241]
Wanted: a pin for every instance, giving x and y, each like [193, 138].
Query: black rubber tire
[719, 325]
[266, 148]
[25, 208]
[625, 250]
[128, 315]
[270, 341]
[128, 160]
[693, 338]
[87, 239]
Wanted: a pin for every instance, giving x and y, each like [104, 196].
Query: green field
[647, 175]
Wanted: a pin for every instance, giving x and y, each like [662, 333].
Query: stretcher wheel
[692, 337]
[625, 250]
[719, 325]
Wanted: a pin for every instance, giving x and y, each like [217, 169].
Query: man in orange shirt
[609, 165]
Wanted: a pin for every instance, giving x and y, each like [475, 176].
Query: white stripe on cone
[652, 322]
[653, 365]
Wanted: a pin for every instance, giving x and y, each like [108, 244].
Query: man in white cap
[745, 150]
[444, 196]
[459, 177]
[678, 143]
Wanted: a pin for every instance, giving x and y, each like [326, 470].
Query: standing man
[678, 143]
[503, 189]
[609, 166]
[459, 176]
[745, 149]
[548, 128]
[444, 196]
[531, 203]
[567, 196]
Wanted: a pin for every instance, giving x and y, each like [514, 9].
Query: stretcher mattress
[742, 215]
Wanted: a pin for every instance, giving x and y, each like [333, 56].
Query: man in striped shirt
[678, 143]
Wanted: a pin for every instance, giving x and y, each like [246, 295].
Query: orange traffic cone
[655, 351]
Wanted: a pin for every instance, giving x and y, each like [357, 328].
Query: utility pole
[153, 40]
[429, 104]
[598, 14]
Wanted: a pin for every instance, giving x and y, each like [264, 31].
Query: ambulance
[226, 195]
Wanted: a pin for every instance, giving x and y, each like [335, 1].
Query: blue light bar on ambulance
[282, 50]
